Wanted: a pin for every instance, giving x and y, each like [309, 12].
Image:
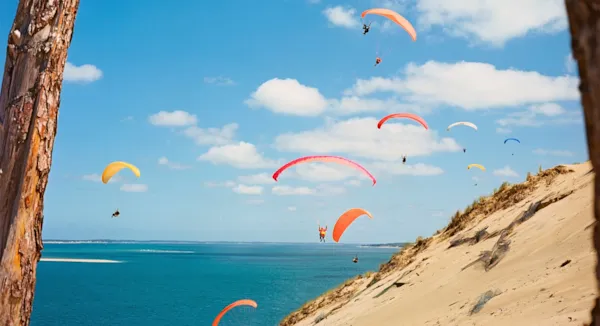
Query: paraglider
[244, 302]
[394, 17]
[462, 123]
[114, 167]
[403, 115]
[366, 28]
[377, 61]
[345, 220]
[507, 139]
[476, 166]
[322, 233]
[324, 158]
[116, 213]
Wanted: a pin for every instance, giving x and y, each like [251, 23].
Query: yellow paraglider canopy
[477, 166]
[114, 167]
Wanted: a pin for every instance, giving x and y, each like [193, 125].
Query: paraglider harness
[116, 213]
[355, 260]
[403, 159]
[366, 28]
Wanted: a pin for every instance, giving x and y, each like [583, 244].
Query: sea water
[188, 284]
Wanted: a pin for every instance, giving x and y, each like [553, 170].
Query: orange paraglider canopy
[395, 17]
[345, 220]
[403, 115]
[243, 302]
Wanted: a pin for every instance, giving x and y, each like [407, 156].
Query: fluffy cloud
[212, 136]
[248, 190]
[175, 118]
[261, 178]
[354, 183]
[320, 190]
[505, 172]
[94, 177]
[134, 187]
[550, 152]
[342, 16]
[538, 115]
[288, 96]
[291, 208]
[81, 74]
[219, 81]
[172, 165]
[241, 155]
[490, 21]
[226, 184]
[470, 86]
[360, 137]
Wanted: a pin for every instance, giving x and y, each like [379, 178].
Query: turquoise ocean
[171, 284]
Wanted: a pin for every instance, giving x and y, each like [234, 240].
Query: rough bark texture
[584, 22]
[36, 55]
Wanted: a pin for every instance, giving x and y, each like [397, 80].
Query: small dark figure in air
[404, 159]
[116, 213]
[464, 150]
[377, 61]
[355, 260]
[475, 185]
[366, 28]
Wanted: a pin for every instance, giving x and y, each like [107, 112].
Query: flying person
[322, 233]
[366, 28]
[116, 213]
[464, 150]
[355, 260]
[377, 61]
[404, 159]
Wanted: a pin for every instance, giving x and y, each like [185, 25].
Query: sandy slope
[535, 290]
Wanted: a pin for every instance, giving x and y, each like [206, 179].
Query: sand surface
[533, 287]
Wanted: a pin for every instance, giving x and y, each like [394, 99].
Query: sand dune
[527, 250]
[75, 260]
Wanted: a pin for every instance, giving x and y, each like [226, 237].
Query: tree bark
[584, 22]
[29, 100]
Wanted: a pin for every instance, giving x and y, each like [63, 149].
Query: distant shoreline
[75, 260]
[102, 241]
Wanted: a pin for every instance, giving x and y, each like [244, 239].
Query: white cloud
[292, 208]
[550, 152]
[172, 165]
[354, 183]
[135, 187]
[248, 190]
[329, 190]
[212, 136]
[470, 86]
[342, 16]
[83, 74]
[394, 168]
[360, 137]
[538, 115]
[261, 178]
[127, 118]
[288, 96]
[501, 130]
[570, 64]
[241, 155]
[318, 172]
[94, 177]
[292, 191]
[505, 172]
[175, 118]
[219, 81]
[490, 21]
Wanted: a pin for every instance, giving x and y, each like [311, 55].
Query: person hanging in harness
[366, 28]
[377, 61]
[464, 150]
[355, 260]
[116, 213]
[322, 233]
[404, 159]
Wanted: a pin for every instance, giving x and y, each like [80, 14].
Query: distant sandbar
[75, 260]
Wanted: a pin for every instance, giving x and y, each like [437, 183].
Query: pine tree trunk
[584, 22]
[36, 55]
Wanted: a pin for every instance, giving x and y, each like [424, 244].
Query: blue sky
[208, 99]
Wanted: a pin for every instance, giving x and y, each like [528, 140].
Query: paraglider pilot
[404, 159]
[464, 150]
[116, 213]
[377, 61]
[366, 28]
[322, 232]
[355, 260]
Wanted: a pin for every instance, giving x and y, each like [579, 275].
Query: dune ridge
[521, 256]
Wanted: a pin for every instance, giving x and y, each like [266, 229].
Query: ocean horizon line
[127, 241]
